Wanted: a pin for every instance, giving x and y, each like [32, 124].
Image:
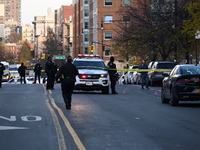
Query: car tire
[163, 99]
[105, 90]
[173, 100]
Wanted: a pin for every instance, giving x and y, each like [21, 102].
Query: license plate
[89, 83]
[198, 90]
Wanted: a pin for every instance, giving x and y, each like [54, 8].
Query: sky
[31, 8]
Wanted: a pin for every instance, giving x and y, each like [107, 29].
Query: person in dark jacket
[22, 71]
[69, 73]
[49, 70]
[144, 74]
[113, 74]
[2, 68]
[37, 70]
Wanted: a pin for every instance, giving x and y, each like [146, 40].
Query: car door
[169, 81]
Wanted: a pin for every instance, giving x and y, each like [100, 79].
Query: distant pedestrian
[22, 72]
[37, 70]
[49, 70]
[144, 74]
[69, 73]
[2, 68]
[112, 70]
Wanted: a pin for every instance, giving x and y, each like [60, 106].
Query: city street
[33, 118]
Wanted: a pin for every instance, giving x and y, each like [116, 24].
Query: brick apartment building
[95, 23]
[12, 10]
[63, 26]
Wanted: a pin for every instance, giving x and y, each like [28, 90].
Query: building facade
[2, 26]
[28, 33]
[41, 24]
[63, 29]
[95, 24]
[12, 10]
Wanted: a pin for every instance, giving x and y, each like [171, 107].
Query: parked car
[156, 76]
[136, 77]
[128, 77]
[121, 79]
[14, 74]
[150, 64]
[6, 77]
[183, 84]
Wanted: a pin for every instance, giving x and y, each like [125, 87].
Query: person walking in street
[144, 75]
[112, 70]
[49, 70]
[2, 68]
[69, 73]
[37, 70]
[22, 72]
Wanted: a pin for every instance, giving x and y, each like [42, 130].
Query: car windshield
[99, 65]
[188, 70]
[165, 66]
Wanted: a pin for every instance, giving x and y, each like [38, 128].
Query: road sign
[60, 57]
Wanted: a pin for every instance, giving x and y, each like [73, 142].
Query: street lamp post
[102, 44]
[36, 47]
[197, 37]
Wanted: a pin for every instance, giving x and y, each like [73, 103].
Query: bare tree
[153, 29]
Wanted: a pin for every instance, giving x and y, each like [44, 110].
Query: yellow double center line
[61, 140]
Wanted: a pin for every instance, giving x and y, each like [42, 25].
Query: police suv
[92, 74]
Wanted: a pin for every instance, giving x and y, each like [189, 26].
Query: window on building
[86, 49]
[86, 25]
[126, 18]
[86, 12]
[108, 2]
[86, 37]
[108, 19]
[107, 52]
[126, 3]
[86, 1]
[108, 36]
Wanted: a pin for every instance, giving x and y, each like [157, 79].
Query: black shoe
[114, 93]
[67, 105]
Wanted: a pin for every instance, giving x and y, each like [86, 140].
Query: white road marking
[12, 128]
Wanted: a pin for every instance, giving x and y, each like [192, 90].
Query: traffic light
[92, 48]
[89, 47]
[43, 56]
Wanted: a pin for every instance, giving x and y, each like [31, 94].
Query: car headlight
[103, 75]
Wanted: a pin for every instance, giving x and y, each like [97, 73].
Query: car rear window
[89, 65]
[190, 70]
[165, 65]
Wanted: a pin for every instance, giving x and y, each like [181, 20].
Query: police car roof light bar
[87, 55]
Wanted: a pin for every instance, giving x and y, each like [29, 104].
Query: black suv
[156, 76]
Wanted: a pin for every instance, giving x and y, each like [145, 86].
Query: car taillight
[182, 80]
[83, 76]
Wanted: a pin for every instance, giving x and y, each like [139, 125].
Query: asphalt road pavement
[33, 118]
